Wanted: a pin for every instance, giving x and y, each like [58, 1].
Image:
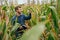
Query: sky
[25, 1]
[22, 1]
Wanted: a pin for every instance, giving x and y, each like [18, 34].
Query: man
[20, 19]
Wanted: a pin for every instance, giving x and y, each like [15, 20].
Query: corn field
[43, 25]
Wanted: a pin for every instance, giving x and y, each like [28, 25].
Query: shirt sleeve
[27, 17]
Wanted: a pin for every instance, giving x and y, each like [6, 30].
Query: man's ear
[16, 10]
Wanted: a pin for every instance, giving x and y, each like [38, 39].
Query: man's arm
[27, 17]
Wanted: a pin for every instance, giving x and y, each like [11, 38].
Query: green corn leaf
[50, 37]
[54, 18]
[14, 28]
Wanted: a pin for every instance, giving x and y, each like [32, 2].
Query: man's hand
[29, 11]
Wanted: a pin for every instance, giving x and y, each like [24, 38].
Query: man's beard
[19, 12]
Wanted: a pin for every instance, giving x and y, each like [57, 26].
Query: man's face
[19, 10]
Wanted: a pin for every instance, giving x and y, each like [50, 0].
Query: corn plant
[47, 27]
